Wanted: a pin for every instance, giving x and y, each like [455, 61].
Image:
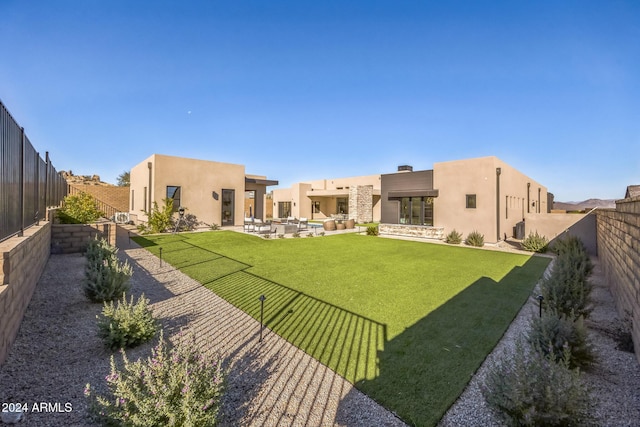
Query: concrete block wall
[73, 238]
[618, 234]
[22, 261]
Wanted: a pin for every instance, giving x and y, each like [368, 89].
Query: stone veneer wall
[22, 262]
[618, 233]
[73, 238]
[361, 203]
[412, 230]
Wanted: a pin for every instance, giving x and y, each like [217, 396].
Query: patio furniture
[264, 228]
[286, 228]
[329, 224]
[249, 225]
[303, 224]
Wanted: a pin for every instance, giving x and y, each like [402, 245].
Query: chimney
[405, 168]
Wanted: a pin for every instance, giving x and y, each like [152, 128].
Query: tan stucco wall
[198, 180]
[455, 179]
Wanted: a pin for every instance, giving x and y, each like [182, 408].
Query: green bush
[453, 238]
[126, 324]
[372, 230]
[527, 388]
[178, 386]
[309, 234]
[160, 220]
[556, 333]
[214, 227]
[567, 289]
[295, 235]
[79, 209]
[535, 243]
[475, 239]
[106, 278]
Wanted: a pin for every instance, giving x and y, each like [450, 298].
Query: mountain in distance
[585, 205]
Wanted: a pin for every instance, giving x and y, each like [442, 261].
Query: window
[471, 201]
[173, 192]
[416, 211]
[132, 200]
[284, 209]
[342, 205]
[145, 199]
[315, 207]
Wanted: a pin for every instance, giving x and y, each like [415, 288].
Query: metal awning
[399, 194]
[248, 180]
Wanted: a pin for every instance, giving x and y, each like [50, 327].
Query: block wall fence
[619, 255]
[22, 261]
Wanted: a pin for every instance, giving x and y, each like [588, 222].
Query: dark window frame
[471, 201]
[172, 190]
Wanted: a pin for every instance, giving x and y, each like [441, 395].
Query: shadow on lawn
[424, 369]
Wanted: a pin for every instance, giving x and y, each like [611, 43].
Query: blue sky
[299, 90]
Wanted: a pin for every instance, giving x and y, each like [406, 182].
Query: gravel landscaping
[270, 382]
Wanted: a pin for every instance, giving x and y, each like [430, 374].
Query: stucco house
[353, 197]
[482, 194]
[214, 192]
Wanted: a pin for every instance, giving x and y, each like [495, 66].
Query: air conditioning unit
[122, 217]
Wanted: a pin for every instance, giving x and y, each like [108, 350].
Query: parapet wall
[22, 261]
[619, 254]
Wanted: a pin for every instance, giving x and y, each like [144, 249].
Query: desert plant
[266, 236]
[106, 277]
[296, 235]
[79, 209]
[556, 333]
[535, 243]
[475, 239]
[178, 386]
[160, 219]
[214, 227]
[372, 230]
[280, 236]
[567, 289]
[188, 223]
[453, 238]
[529, 389]
[309, 234]
[126, 324]
[322, 233]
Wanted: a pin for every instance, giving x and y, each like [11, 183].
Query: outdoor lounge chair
[303, 224]
[249, 225]
[292, 220]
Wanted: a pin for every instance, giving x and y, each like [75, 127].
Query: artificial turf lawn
[407, 322]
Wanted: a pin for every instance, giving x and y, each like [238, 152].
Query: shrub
[372, 230]
[280, 236]
[126, 324]
[310, 234]
[214, 227]
[266, 236]
[556, 333]
[475, 239]
[567, 289]
[526, 388]
[453, 238]
[189, 223]
[296, 235]
[178, 386]
[106, 278]
[321, 233]
[535, 243]
[160, 220]
[79, 209]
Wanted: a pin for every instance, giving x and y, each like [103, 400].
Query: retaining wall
[73, 238]
[619, 254]
[22, 261]
[423, 231]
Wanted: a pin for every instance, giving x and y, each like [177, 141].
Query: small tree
[124, 179]
[79, 209]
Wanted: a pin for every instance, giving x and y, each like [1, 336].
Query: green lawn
[407, 322]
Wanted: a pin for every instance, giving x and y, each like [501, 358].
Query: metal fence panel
[28, 184]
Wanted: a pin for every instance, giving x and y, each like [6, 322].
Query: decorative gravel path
[271, 383]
